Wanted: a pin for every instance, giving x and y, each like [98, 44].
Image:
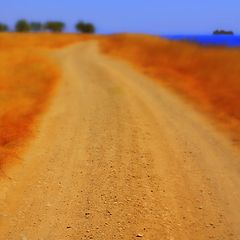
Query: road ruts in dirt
[116, 156]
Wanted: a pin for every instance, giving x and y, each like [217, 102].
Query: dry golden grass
[27, 77]
[210, 76]
[41, 40]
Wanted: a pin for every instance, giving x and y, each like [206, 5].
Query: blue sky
[147, 16]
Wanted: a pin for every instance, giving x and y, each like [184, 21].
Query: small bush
[22, 26]
[55, 26]
[85, 27]
[3, 27]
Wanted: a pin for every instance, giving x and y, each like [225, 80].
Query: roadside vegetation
[55, 26]
[27, 78]
[83, 27]
[23, 25]
[3, 27]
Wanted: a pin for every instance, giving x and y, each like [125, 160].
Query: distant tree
[3, 27]
[85, 27]
[55, 26]
[36, 26]
[22, 26]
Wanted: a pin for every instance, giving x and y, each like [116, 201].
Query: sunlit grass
[27, 78]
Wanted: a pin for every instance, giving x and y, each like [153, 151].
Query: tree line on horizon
[51, 26]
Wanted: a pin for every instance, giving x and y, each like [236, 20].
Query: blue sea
[214, 40]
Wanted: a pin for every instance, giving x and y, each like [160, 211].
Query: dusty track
[117, 156]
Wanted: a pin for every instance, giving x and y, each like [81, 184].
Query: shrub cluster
[85, 27]
[51, 26]
[55, 26]
[3, 27]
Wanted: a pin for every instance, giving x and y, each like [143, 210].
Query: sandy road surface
[118, 157]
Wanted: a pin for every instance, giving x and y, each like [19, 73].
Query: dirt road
[118, 157]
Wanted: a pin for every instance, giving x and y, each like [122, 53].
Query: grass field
[208, 76]
[27, 77]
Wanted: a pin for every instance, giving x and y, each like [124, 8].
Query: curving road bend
[117, 156]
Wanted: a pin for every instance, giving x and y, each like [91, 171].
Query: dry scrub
[27, 77]
[207, 75]
[41, 40]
